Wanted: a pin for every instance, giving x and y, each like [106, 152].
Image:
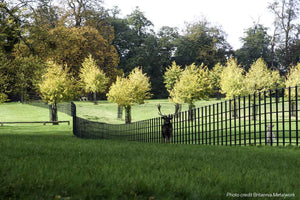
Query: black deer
[167, 128]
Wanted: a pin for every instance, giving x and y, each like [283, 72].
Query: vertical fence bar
[202, 124]
[249, 107]
[206, 125]
[245, 121]
[222, 121]
[226, 125]
[73, 113]
[290, 116]
[198, 111]
[297, 131]
[180, 129]
[265, 102]
[271, 120]
[177, 128]
[186, 127]
[214, 139]
[235, 116]
[209, 123]
[277, 118]
[259, 118]
[240, 124]
[190, 117]
[254, 117]
[195, 125]
[283, 118]
[152, 135]
[218, 122]
[230, 116]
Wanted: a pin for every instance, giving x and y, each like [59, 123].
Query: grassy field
[107, 112]
[48, 162]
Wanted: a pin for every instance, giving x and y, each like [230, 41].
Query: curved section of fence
[64, 107]
[267, 118]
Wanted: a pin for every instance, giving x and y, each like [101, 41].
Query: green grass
[56, 165]
[18, 112]
[48, 162]
[107, 112]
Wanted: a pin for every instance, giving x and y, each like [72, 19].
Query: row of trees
[58, 85]
[197, 82]
[34, 32]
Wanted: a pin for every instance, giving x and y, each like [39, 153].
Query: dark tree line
[33, 32]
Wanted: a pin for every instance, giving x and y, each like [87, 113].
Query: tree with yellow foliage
[57, 86]
[92, 78]
[292, 80]
[232, 82]
[215, 74]
[194, 84]
[128, 91]
[259, 79]
[171, 76]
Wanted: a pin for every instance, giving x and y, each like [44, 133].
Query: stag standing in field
[167, 128]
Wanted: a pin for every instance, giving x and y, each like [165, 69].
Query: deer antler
[159, 112]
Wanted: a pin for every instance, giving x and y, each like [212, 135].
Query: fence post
[73, 113]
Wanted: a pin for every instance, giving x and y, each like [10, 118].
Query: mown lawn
[58, 165]
[48, 162]
[107, 112]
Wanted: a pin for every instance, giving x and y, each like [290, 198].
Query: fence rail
[266, 118]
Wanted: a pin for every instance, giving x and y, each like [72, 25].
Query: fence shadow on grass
[267, 118]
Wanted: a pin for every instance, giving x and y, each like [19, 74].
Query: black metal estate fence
[266, 118]
[64, 107]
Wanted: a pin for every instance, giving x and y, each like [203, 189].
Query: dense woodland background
[68, 31]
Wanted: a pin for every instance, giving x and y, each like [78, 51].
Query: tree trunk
[255, 110]
[95, 98]
[178, 106]
[233, 107]
[53, 113]
[191, 112]
[127, 114]
[120, 112]
[293, 108]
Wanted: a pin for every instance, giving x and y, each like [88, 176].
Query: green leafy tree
[194, 84]
[286, 23]
[292, 80]
[232, 81]
[93, 79]
[128, 91]
[11, 26]
[256, 44]
[24, 75]
[3, 77]
[57, 86]
[202, 43]
[3, 96]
